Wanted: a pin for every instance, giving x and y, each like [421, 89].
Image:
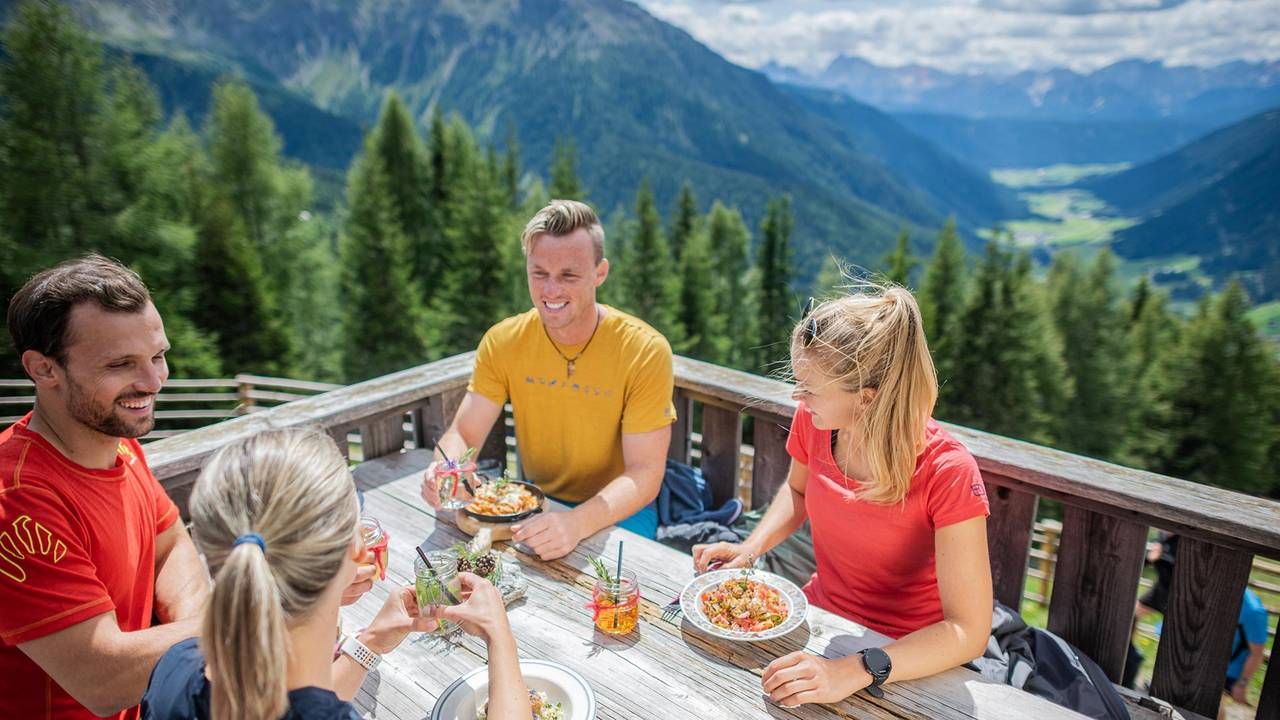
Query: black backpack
[1044, 664]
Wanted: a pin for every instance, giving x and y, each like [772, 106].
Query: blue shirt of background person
[1251, 631]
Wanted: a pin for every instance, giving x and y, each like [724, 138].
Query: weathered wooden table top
[660, 671]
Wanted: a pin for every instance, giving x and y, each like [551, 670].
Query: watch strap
[360, 652]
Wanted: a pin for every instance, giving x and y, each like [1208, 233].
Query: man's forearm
[182, 584]
[104, 669]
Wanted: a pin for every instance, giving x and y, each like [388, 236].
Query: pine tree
[267, 199]
[1087, 317]
[1151, 332]
[730, 241]
[473, 294]
[776, 304]
[511, 168]
[1221, 392]
[235, 301]
[383, 322]
[942, 302]
[52, 90]
[401, 153]
[1009, 375]
[684, 219]
[565, 184]
[704, 328]
[831, 279]
[649, 275]
[245, 151]
[901, 262]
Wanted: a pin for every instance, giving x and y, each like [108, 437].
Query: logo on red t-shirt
[32, 537]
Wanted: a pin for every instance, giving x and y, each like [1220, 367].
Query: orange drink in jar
[615, 606]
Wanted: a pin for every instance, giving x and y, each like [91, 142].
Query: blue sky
[977, 35]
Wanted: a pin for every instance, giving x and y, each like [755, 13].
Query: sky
[980, 35]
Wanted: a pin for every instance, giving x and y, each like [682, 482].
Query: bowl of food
[504, 501]
[745, 605]
[556, 692]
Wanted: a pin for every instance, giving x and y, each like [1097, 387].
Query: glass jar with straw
[615, 598]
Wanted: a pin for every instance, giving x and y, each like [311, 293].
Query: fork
[672, 610]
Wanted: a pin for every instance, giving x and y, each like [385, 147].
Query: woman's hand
[398, 617]
[800, 678]
[728, 555]
[481, 612]
[431, 483]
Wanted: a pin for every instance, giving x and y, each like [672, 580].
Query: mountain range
[1130, 111]
[1217, 198]
[1129, 90]
[640, 98]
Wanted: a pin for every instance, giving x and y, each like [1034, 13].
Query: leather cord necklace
[569, 362]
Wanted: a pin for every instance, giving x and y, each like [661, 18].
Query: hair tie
[254, 538]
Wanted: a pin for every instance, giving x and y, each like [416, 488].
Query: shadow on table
[601, 641]
[753, 656]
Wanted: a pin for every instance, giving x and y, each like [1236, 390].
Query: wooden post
[771, 463]
[1013, 513]
[1269, 703]
[721, 438]
[1095, 585]
[436, 416]
[1050, 550]
[339, 435]
[680, 449]
[1204, 608]
[382, 436]
[244, 395]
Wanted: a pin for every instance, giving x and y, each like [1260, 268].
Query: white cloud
[981, 34]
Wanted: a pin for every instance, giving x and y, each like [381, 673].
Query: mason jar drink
[375, 543]
[438, 585]
[616, 606]
[449, 477]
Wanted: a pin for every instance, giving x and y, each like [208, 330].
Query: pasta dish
[502, 498]
[744, 605]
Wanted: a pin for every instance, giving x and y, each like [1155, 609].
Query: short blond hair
[561, 217]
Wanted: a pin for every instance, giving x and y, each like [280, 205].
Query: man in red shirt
[91, 547]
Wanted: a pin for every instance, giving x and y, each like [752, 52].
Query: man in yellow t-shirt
[590, 388]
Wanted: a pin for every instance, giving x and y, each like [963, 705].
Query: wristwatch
[878, 666]
[359, 652]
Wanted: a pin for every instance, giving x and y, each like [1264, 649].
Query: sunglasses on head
[810, 330]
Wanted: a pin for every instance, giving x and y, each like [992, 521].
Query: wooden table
[660, 671]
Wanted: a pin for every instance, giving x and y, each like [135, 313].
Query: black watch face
[877, 662]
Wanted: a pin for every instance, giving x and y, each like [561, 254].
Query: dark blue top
[178, 690]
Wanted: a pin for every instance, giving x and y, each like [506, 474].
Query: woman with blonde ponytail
[896, 505]
[277, 520]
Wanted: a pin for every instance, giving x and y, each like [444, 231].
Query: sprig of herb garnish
[602, 571]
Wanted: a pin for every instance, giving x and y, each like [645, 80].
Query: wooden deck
[1107, 509]
[661, 670]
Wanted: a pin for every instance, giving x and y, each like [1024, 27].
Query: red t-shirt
[74, 543]
[876, 562]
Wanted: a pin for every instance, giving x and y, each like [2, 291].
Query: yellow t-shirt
[569, 429]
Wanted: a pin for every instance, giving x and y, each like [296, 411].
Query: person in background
[276, 517]
[92, 551]
[590, 388]
[1248, 647]
[896, 505]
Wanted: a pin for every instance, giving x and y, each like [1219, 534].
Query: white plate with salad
[556, 692]
[743, 604]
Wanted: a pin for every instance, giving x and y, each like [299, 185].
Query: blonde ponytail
[874, 339]
[243, 637]
[293, 490]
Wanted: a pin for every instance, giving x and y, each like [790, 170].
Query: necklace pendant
[569, 369]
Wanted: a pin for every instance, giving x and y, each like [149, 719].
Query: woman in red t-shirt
[897, 506]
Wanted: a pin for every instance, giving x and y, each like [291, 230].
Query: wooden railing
[188, 404]
[1107, 509]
